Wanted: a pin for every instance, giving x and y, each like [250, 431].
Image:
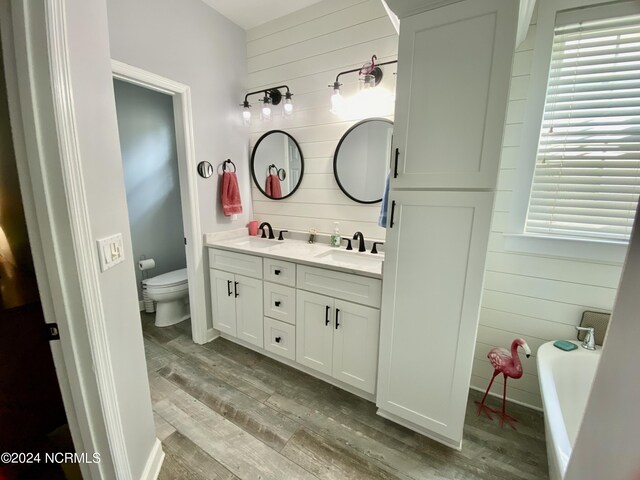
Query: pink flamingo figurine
[509, 365]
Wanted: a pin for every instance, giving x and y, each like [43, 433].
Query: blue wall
[148, 144]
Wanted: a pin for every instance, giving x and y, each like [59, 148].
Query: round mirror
[361, 161]
[205, 169]
[277, 165]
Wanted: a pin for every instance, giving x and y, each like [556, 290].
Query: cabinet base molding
[419, 429]
[302, 368]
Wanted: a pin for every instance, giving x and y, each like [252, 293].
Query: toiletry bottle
[336, 239]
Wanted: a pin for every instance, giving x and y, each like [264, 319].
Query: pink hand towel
[273, 188]
[231, 202]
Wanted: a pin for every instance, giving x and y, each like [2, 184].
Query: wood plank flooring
[226, 412]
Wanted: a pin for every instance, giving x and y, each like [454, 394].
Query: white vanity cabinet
[237, 299]
[334, 336]
[454, 67]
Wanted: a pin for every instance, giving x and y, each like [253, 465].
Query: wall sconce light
[370, 76]
[271, 97]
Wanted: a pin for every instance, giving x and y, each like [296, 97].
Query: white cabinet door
[248, 296]
[314, 331]
[454, 67]
[355, 345]
[223, 302]
[433, 276]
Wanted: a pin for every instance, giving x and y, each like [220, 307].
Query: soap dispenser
[336, 239]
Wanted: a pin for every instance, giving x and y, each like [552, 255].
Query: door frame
[185, 146]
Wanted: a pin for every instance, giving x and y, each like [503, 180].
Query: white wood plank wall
[530, 296]
[535, 297]
[306, 50]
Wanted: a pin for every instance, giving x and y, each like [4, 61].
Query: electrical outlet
[110, 251]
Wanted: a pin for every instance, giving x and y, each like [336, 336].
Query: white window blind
[587, 175]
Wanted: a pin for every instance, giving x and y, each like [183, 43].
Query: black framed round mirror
[361, 161]
[277, 165]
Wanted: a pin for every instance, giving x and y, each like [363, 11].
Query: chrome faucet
[264, 234]
[359, 235]
[589, 341]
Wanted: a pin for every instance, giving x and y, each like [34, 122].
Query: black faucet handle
[264, 233]
[280, 237]
[348, 240]
[374, 249]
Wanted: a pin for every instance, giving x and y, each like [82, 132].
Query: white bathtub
[565, 382]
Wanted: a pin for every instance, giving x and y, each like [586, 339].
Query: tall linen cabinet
[454, 67]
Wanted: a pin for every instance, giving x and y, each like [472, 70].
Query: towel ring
[227, 161]
[270, 167]
[282, 174]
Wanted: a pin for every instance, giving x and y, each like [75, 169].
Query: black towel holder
[273, 165]
[226, 162]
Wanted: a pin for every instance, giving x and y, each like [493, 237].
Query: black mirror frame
[335, 158]
[253, 173]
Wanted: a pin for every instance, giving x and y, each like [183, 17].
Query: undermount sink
[352, 259]
[260, 243]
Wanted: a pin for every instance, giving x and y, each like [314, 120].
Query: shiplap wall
[306, 50]
[530, 296]
[535, 297]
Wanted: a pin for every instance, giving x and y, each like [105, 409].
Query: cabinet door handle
[393, 211]
[235, 287]
[337, 322]
[395, 166]
[277, 303]
[278, 339]
[277, 272]
[326, 315]
[229, 288]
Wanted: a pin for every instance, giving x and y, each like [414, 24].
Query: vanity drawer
[235, 263]
[280, 338]
[277, 271]
[280, 302]
[354, 288]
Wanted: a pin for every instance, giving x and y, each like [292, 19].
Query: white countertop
[297, 251]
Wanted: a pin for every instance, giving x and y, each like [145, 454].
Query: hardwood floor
[226, 412]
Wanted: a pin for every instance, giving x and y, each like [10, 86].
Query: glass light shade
[288, 107]
[246, 115]
[367, 82]
[266, 112]
[337, 102]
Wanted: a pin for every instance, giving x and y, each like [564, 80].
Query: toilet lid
[167, 279]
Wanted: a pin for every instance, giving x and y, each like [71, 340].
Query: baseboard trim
[497, 395]
[154, 463]
[212, 334]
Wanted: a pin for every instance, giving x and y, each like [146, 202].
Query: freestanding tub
[565, 382]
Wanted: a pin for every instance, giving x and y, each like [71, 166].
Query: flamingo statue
[507, 363]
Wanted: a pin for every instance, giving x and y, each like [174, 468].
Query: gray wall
[148, 146]
[189, 42]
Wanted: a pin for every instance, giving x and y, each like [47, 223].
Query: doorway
[193, 242]
[32, 414]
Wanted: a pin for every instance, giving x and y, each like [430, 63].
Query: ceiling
[251, 13]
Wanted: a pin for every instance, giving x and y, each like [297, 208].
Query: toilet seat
[177, 278]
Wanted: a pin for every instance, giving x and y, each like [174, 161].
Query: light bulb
[288, 107]
[246, 116]
[266, 112]
[337, 102]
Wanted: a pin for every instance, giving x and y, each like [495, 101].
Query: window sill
[574, 248]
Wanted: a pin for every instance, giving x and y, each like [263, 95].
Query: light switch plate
[110, 251]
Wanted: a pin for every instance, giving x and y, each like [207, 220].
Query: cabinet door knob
[277, 272]
[277, 303]
[278, 339]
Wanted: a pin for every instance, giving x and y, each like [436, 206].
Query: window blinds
[587, 175]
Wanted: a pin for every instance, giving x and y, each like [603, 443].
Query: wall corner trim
[71, 166]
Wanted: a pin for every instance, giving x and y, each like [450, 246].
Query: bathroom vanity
[311, 306]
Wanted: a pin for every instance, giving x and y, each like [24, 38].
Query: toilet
[170, 291]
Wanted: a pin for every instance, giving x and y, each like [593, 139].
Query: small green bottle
[336, 239]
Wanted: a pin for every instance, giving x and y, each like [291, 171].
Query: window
[587, 174]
